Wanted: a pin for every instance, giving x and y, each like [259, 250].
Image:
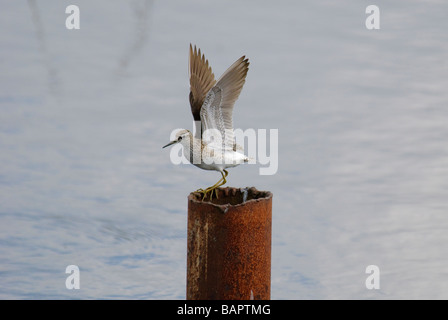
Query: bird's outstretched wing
[202, 80]
[216, 112]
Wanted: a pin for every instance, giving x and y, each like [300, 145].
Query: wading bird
[211, 101]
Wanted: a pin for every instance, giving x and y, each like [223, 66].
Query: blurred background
[362, 123]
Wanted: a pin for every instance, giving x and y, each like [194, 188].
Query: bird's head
[182, 136]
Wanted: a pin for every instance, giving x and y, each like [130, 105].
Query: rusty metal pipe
[229, 245]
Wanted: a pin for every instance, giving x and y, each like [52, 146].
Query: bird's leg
[216, 184]
[209, 188]
[220, 182]
[212, 187]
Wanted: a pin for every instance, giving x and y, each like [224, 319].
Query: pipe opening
[232, 196]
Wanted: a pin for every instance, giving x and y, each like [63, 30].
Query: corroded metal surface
[229, 245]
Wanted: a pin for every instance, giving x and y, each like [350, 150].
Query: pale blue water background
[363, 152]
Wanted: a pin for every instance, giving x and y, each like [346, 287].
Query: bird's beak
[172, 142]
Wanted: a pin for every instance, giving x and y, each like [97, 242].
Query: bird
[213, 147]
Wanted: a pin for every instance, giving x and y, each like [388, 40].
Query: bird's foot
[209, 190]
[204, 192]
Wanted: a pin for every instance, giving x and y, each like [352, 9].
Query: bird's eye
[179, 139]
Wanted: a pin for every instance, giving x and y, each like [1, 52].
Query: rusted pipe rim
[230, 196]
